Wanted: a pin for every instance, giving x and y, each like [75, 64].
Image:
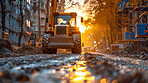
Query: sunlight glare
[80, 10]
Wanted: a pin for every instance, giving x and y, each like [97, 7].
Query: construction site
[73, 41]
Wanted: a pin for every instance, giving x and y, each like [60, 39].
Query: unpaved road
[73, 68]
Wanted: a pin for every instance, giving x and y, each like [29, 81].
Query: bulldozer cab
[65, 19]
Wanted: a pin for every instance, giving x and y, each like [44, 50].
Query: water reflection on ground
[73, 68]
[74, 72]
[81, 74]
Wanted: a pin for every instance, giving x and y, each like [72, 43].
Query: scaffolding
[132, 13]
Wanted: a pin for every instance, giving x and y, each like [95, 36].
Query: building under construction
[132, 19]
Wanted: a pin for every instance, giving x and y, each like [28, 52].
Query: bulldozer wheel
[77, 45]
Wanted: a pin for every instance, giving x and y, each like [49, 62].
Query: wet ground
[73, 68]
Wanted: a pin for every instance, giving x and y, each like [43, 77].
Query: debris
[136, 50]
[23, 78]
[140, 47]
[87, 67]
[6, 44]
[30, 50]
[5, 50]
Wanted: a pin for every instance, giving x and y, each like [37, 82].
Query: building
[38, 13]
[41, 6]
[132, 18]
[13, 20]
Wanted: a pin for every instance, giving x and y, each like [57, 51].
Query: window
[19, 11]
[34, 18]
[0, 17]
[16, 25]
[28, 23]
[12, 8]
[9, 19]
[63, 19]
[23, 12]
[16, 0]
[16, 10]
[42, 5]
[35, 28]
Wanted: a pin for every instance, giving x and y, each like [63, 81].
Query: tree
[104, 12]
[39, 19]
[60, 6]
[3, 13]
[99, 13]
[47, 15]
[22, 22]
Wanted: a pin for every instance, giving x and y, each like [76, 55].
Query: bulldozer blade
[61, 42]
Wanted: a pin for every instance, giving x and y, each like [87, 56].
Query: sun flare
[80, 10]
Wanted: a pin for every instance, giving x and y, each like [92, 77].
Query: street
[72, 68]
[74, 41]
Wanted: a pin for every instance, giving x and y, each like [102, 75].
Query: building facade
[132, 19]
[13, 20]
[38, 13]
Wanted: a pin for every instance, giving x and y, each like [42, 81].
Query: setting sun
[82, 28]
[80, 10]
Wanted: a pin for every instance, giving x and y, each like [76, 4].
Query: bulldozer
[65, 34]
[62, 33]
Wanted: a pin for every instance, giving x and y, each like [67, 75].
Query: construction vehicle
[63, 32]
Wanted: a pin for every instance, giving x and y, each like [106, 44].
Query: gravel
[66, 67]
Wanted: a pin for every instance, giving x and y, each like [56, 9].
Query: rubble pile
[5, 55]
[137, 47]
[136, 50]
[104, 70]
[92, 68]
[30, 50]
[5, 45]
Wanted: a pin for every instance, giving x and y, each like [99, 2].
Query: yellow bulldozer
[63, 32]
